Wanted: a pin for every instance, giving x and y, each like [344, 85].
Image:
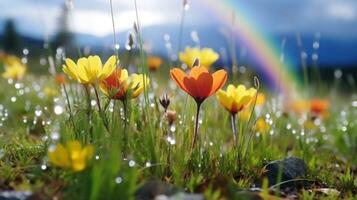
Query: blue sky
[335, 18]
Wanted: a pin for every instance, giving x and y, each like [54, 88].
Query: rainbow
[280, 74]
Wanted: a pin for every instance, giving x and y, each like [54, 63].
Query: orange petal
[204, 84]
[196, 71]
[190, 84]
[178, 75]
[219, 79]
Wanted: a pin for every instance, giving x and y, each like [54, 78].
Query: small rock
[291, 168]
[152, 189]
[186, 196]
[15, 195]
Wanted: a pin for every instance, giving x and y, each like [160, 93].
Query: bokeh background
[264, 36]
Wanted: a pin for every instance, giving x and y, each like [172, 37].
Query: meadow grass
[155, 150]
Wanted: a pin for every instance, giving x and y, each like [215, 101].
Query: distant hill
[331, 51]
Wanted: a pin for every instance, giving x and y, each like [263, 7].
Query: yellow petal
[59, 156]
[82, 70]
[94, 68]
[231, 90]
[123, 75]
[74, 149]
[108, 68]
[225, 100]
[70, 69]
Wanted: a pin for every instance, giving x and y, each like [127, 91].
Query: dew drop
[132, 163]
[118, 180]
[43, 167]
[13, 99]
[58, 110]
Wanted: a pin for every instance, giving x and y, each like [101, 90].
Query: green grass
[30, 127]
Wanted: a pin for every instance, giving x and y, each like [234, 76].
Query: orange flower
[154, 62]
[199, 83]
[319, 106]
[299, 107]
[60, 79]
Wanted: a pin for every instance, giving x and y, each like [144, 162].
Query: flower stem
[126, 126]
[101, 112]
[69, 106]
[234, 128]
[89, 112]
[195, 137]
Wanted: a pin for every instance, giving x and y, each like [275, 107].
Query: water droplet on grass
[55, 136]
[132, 163]
[58, 109]
[13, 99]
[118, 180]
[43, 167]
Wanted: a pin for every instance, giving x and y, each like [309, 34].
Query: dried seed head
[130, 42]
[185, 5]
[184, 2]
[171, 116]
[165, 101]
[196, 63]
[256, 83]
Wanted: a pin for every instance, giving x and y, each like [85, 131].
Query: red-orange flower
[119, 83]
[154, 63]
[60, 79]
[199, 83]
[319, 106]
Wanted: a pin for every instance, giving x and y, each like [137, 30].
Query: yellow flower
[89, 70]
[260, 99]
[14, 68]
[206, 56]
[235, 99]
[72, 156]
[50, 92]
[119, 83]
[261, 126]
[16, 72]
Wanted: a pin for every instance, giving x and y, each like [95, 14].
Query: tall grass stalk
[145, 71]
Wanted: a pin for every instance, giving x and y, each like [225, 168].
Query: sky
[335, 18]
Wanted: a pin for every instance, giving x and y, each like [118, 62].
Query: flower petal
[178, 75]
[108, 68]
[219, 79]
[82, 70]
[204, 85]
[197, 71]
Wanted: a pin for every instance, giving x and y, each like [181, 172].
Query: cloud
[99, 23]
[341, 11]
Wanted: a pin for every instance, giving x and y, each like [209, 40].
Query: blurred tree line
[12, 42]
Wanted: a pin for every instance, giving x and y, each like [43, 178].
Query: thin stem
[97, 97]
[69, 107]
[101, 113]
[114, 34]
[195, 137]
[181, 29]
[89, 111]
[126, 126]
[234, 128]
[113, 115]
[145, 81]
